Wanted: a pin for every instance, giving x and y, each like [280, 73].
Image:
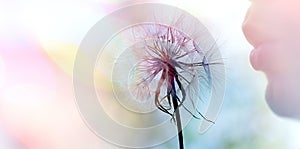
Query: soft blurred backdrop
[38, 43]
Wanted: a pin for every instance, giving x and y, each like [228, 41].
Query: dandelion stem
[177, 116]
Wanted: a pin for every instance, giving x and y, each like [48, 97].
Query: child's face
[273, 28]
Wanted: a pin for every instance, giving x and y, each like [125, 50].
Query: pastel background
[38, 43]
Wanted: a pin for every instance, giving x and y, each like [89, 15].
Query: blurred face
[273, 29]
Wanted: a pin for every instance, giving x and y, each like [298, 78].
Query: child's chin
[283, 97]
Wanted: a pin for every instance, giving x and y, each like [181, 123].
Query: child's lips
[254, 59]
[258, 57]
[269, 58]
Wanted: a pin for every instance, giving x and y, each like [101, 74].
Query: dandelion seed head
[159, 48]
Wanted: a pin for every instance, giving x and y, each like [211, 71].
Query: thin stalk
[177, 116]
